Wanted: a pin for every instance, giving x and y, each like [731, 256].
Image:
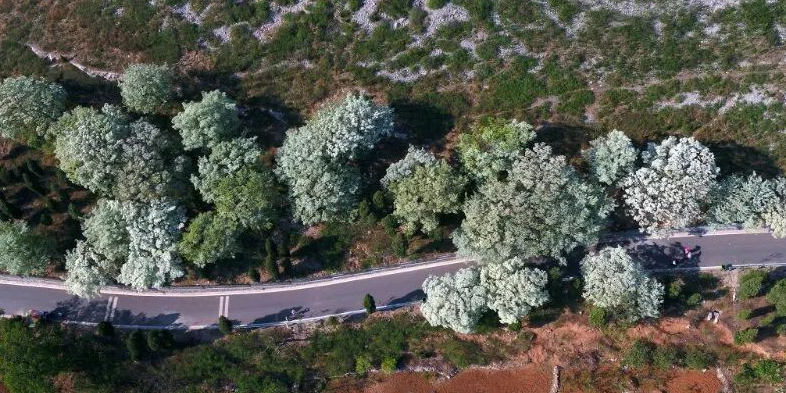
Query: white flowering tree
[613, 280]
[28, 107]
[22, 250]
[742, 201]
[423, 188]
[775, 216]
[455, 301]
[316, 160]
[203, 124]
[489, 150]
[543, 208]
[611, 157]
[512, 289]
[225, 158]
[133, 243]
[110, 155]
[209, 237]
[668, 192]
[146, 88]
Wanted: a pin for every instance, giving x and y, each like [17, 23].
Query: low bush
[751, 284]
[224, 325]
[462, 353]
[699, 358]
[763, 371]
[640, 354]
[743, 314]
[665, 357]
[745, 336]
[598, 317]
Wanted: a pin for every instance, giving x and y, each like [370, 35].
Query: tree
[406, 166]
[145, 88]
[28, 107]
[208, 238]
[542, 208]
[369, 304]
[614, 281]
[88, 270]
[316, 159]
[751, 284]
[667, 194]
[225, 159]
[429, 191]
[105, 329]
[23, 251]
[611, 157]
[154, 229]
[775, 217]
[224, 325]
[105, 230]
[741, 201]
[455, 301]
[271, 267]
[136, 345]
[32, 357]
[490, 149]
[513, 290]
[248, 197]
[203, 124]
[110, 155]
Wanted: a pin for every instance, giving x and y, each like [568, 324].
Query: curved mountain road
[263, 305]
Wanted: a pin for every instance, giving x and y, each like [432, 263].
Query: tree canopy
[28, 107]
[667, 194]
[543, 208]
[613, 280]
[146, 88]
[316, 160]
[489, 150]
[22, 250]
[209, 237]
[611, 157]
[203, 124]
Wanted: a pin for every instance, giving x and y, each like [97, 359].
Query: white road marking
[226, 306]
[220, 306]
[114, 307]
[111, 304]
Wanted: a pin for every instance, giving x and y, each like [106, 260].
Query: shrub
[515, 326]
[751, 284]
[768, 320]
[777, 296]
[104, 329]
[145, 88]
[271, 267]
[763, 371]
[639, 355]
[369, 304]
[394, 8]
[158, 340]
[136, 345]
[399, 245]
[254, 275]
[598, 317]
[745, 336]
[436, 4]
[462, 353]
[781, 329]
[693, 300]
[224, 325]
[744, 314]
[389, 364]
[363, 364]
[699, 358]
[665, 357]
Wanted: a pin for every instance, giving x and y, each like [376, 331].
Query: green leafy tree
[427, 192]
[225, 325]
[611, 157]
[542, 208]
[316, 159]
[614, 281]
[751, 284]
[777, 296]
[28, 107]
[667, 194]
[22, 250]
[32, 357]
[369, 304]
[203, 124]
[146, 88]
[208, 238]
[248, 197]
[136, 345]
[775, 216]
[406, 166]
[490, 149]
[271, 267]
[225, 159]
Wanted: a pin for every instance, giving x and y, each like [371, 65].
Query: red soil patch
[516, 380]
[694, 382]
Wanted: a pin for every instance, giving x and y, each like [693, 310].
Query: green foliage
[22, 250]
[369, 304]
[462, 353]
[745, 336]
[399, 245]
[146, 88]
[611, 157]
[489, 149]
[598, 317]
[203, 124]
[436, 4]
[363, 364]
[777, 296]
[665, 357]
[248, 197]
[253, 274]
[395, 8]
[208, 238]
[389, 365]
[751, 284]
[763, 371]
[639, 354]
[159, 340]
[271, 267]
[28, 107]
[32, 357]
[136, 345]
[743, 314]
[105, 329]
[225, 325]
[699, 358]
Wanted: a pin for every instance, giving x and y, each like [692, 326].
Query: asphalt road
[343, 296]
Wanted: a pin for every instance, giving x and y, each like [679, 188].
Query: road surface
[344, 296]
